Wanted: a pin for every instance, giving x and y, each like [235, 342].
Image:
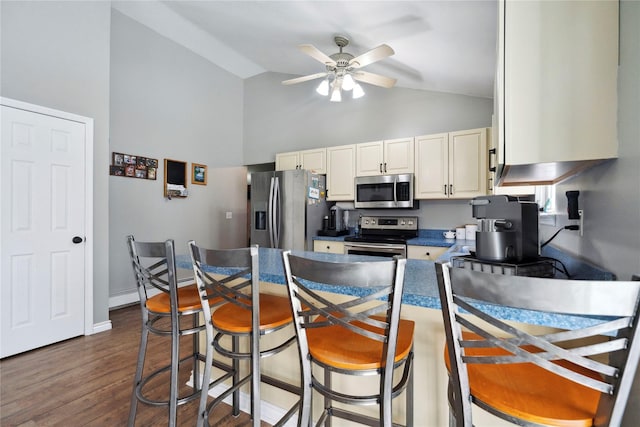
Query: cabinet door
[314, 160]
[287, 161]
[428, 253]
[341, 166]
[370, 158]
[328, 246]
[468, 167]
[431, 164]
[560, 96]
[398, 156]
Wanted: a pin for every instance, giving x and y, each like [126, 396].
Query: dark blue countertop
[425, 238]
[420, 285]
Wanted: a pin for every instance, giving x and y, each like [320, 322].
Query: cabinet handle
[385, 167]
[490, 184]
[451, 189]
[492, 152]
[445, 189]
[380, 167]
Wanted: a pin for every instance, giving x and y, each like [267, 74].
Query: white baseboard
[269, 412]
[101, 327]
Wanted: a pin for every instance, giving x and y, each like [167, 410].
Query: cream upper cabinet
[451, 165]
[391, 156]
[341, 168]
[314, 160]
[556, 81]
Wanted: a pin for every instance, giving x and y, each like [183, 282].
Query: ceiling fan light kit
[343, 70]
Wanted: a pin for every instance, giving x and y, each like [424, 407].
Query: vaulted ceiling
[440, 45]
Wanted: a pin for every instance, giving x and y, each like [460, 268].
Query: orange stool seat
[188, 300]
[274, 313]
[528, 391]
[338, 347]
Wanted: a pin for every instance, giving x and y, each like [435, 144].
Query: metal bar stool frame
[160, 274]
[476, 339]
[230, 277]
[374, 315]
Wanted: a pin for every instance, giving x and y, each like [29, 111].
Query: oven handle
[374, 248]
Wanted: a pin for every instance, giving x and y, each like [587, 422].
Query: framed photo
[130, 170]
[118, 159]
[116, 170]
[151, 173]
[198, 174]
[141, 173]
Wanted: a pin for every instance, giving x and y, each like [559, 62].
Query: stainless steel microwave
[384, 191]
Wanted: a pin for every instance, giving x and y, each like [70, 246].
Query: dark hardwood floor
[87, 381]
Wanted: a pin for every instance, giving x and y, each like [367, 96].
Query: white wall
[56, 54]
[282, 118]
[167, 102]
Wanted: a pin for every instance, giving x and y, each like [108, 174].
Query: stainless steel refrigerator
[287, 208]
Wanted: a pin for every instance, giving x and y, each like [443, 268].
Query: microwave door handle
[395, 191]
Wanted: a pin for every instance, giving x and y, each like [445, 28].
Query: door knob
[77, 239]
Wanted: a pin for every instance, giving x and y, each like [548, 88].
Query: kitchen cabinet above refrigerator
[556, 89]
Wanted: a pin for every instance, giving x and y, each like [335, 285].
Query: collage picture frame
[133, 166]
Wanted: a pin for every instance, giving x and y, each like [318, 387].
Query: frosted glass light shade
[347, 82]
[323, 88]
[357, 91]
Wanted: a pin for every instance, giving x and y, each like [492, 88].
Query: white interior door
[43, 210]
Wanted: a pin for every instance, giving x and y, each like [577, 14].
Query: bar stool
[362, 336]
[231, 277]
[578, 377]
[154, 268]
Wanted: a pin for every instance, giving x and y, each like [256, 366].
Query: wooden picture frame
[198, 174]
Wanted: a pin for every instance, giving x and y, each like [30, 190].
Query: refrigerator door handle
[270, 214]
[276, 210]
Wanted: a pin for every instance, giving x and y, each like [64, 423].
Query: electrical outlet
[229, 215]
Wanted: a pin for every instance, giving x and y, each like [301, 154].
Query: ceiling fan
[343, 70]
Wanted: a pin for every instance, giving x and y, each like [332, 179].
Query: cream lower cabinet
[451, 165]
[428, 253]
[328, 246]
[391, 156]
[341, 169]
[314, 160]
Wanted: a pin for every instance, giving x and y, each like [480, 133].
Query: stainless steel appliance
[384, 191]
[287, 208]
[507, 228]
[382, 236]
[336, 219]
[543, 267]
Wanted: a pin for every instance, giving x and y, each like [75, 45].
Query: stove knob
[402, 222]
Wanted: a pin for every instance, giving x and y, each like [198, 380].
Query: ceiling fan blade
[316, 54]
[374, 79]
[375, 54]
[304, 78]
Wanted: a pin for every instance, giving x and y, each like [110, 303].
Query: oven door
[375, 249]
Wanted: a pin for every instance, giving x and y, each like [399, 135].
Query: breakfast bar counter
[420, 304]
[420, 285]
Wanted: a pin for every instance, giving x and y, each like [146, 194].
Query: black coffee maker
[507, 228]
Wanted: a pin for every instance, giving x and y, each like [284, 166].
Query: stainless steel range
[382, 236]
